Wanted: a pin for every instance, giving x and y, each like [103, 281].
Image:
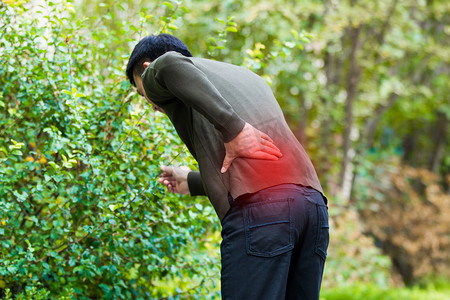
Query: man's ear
[146, 64]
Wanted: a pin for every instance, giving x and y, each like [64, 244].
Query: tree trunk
[369, 132]
[352, 84]
[302, 124]
[440, 140]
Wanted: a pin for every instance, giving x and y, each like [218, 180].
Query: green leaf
[17, 152]
[134, 28]
[168, 4]
[54, 165]
[106, 289]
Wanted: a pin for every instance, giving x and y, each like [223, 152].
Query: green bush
[81, 214]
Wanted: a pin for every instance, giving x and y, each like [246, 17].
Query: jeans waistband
[268, 192]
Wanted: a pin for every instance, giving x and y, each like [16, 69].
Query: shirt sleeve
[175, 76]
[195, 184]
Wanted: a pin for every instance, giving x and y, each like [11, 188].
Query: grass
[372, 292]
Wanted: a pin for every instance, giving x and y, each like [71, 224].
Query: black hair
[150, 48]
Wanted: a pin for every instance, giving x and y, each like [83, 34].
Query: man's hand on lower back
[250, 143]
[175, 179]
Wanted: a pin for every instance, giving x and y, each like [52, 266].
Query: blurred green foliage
[373, 292]
[363, 84]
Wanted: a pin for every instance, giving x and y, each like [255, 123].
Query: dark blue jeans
[275, 245]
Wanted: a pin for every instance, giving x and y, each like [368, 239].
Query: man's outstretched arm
[195, 184]
[175, 179]
[182, 180]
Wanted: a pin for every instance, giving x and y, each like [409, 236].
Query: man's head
[150, 48]
[147, 50]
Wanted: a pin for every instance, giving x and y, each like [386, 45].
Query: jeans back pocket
[268, 228]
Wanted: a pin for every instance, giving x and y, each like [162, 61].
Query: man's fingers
[268, 144]
[266, 137]
[264, 155]
[267, 141]
[165, 177]
[166, 180]
[226, 163]
[166, 169]
[175, 179]
[272, 151]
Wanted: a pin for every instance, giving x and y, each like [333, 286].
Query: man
[256, 174]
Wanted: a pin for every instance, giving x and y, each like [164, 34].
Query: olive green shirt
[208, 103]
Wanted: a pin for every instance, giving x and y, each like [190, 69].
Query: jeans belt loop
[230, 200]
